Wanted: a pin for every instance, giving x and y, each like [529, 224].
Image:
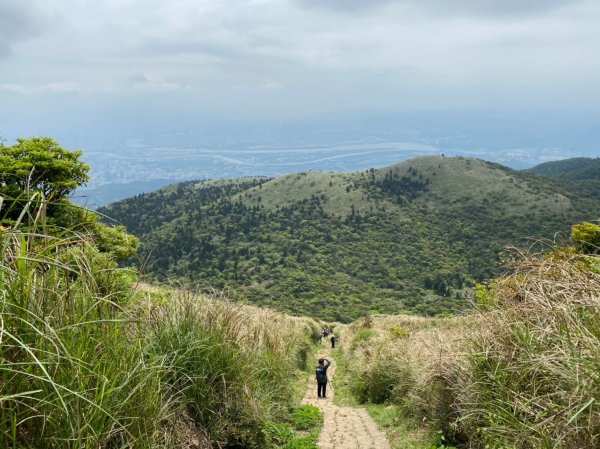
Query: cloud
[271, 85]
[305, 54]
[490, 8]
[141, 81]
[18, 21]
[345, 5]
[64, 87]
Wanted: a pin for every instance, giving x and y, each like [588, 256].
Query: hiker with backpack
[332, 340]
[321, 373]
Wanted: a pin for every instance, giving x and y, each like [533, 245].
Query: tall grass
[86, 362]
[232, 365]
[406, 361]
[72, 369]
[531, 378]
[519, 372]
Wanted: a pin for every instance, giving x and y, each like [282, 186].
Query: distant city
[125, 165]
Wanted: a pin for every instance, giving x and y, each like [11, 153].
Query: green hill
[580, 174]
[577, 168]
[409, 237]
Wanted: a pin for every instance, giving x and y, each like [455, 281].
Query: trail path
[344, 427]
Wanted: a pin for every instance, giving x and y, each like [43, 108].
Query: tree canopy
[40, 164]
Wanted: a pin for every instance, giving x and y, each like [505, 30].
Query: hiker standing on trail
[321, 373]
[332, 340]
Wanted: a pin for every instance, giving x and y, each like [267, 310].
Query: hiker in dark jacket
[321, 373]
[332, 340]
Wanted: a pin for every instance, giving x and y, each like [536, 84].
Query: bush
[586, 237]
[306, 417]
[387, 378]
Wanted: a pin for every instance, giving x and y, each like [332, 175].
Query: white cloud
[64, 87]
[155, 83]
[271, 85]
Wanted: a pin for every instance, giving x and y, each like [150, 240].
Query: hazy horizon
[513, 81]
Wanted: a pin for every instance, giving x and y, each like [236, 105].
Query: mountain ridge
[408, 237]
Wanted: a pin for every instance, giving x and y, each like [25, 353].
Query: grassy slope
[341, 245]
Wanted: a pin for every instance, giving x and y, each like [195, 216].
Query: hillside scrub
[231, 366]
[89, 361]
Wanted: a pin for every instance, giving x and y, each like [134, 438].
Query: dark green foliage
[411, 237]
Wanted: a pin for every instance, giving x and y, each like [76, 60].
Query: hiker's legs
[321, 389]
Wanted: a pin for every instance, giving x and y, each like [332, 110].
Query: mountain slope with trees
[581, 174]
[410, 237]
[576, 168]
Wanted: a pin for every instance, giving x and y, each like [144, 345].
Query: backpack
[321, 374]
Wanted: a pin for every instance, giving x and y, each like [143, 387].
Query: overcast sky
[71, 59]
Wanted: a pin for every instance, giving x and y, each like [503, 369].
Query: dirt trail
[344, 427]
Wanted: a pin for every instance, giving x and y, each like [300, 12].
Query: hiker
[324, 333]
[332, 340]
[321, 373]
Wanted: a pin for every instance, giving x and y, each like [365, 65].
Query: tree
[40, 164]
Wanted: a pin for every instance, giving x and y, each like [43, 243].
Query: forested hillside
[409, 237]
[581, 174]
[576, 168]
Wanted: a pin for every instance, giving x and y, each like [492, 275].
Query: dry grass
[409, 361]
[531, 379]
[520, 372]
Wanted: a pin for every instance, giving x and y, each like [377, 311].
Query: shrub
[586, 237]
[306, 417]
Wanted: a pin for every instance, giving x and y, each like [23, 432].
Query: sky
[75, 64]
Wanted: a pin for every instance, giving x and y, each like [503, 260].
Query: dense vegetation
[575, 168]
[87, 360]
[581, 174]
[518, 372]
[410, 237]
